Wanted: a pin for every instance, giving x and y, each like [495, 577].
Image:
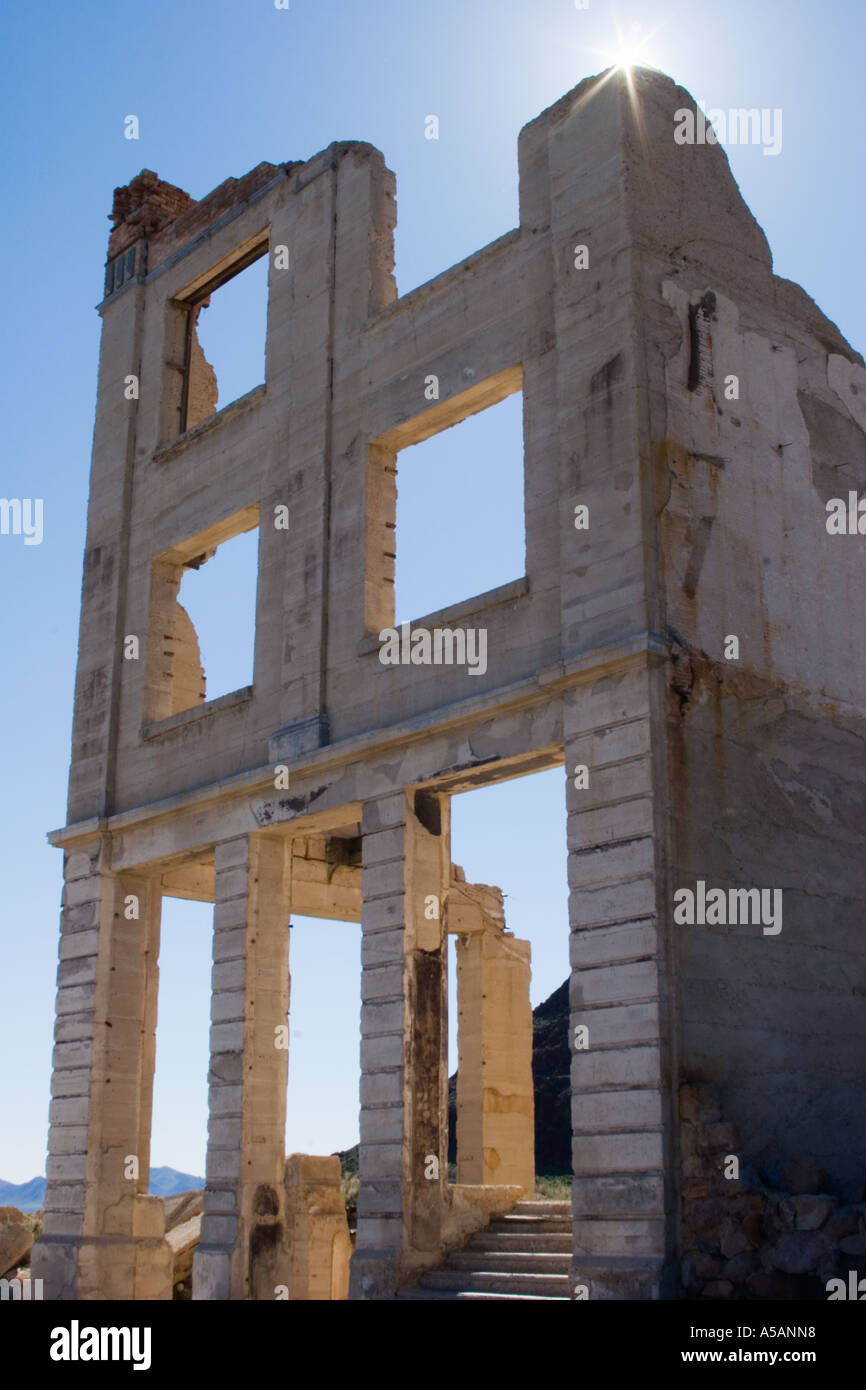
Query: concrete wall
[764, 769]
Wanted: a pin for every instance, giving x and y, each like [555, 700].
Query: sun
[631, 49]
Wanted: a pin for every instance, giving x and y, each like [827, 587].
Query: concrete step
[523, 1255]
[558, 1243]
[451, 1296]
[427, 1295]
[488, 1281]
[519, 1297]
[542, 1209]
[518, 1262]
[553, 1225]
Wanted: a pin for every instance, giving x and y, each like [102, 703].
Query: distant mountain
[26, 1196]
[30, 1196]
[551, 1076]
[165, 1182]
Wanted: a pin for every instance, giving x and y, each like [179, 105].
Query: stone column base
[374, 1275]
[104, 1268]
[211, 1273]
[620, 1279]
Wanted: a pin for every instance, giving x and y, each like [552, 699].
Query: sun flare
[631, 49]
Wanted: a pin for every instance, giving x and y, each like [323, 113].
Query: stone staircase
[524, 1255]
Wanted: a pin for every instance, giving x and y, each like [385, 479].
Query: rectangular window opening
[203, 618]
[445, 510]
[225, 330]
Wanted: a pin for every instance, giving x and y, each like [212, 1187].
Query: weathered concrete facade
[706, 520]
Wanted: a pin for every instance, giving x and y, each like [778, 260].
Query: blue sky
[218, 86]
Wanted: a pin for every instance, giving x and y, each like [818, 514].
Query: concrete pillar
[102, 671]
[103, 1237]
[317, 1229]
[623, 1211]
[242, 1253]
[404, 1038]
[495, 1100]
[623, 1227]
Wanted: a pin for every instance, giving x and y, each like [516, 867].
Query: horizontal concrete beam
[229, 797]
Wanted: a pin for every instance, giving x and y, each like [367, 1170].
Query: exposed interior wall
[756, 406]
[175, 676]
[777, 1020]
[202, 396]
[189, 683]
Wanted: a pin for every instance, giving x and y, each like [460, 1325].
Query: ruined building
[703, 412]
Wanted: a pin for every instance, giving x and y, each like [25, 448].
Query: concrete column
[404, 1038]
[103, 1237]
[623, 1214]
[101, 671]
[317, 1228]
[495, 1100]
[242, 1253]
